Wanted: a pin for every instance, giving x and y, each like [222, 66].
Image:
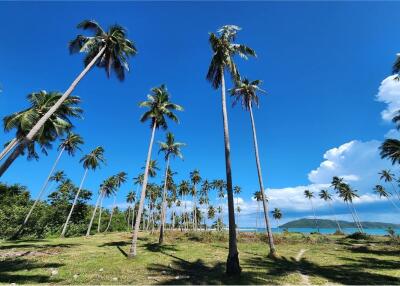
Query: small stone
[76, 276]
[163, 272]
[115, 279]
[13, 284]
[54, 272]
[101, 269]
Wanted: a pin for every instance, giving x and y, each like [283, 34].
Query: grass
[199, 258]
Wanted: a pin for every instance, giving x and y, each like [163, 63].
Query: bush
[358, 235]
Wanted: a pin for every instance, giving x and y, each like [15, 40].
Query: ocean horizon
[307, 230]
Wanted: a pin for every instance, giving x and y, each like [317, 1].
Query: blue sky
[322, 64]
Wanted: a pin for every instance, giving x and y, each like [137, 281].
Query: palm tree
[184, 188]
[246, 92]
[131, 199]
[23, 121]
[388, 177]
[326, 196]
[390, 149]
[109, 50]
[310, 195]
[205, 188]
[277, 215]
[237, 190]
[224, 49]
[119, 179]
[90, 161]
[220, 186]
[195, 178]
[160, 107]
[169, 148]
[380, 190]
[107, 186]
[258, 197]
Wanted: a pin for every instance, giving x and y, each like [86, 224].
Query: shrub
[358, 235]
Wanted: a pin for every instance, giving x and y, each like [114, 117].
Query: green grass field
[199, 259]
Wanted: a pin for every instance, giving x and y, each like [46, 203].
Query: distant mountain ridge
[327, 223]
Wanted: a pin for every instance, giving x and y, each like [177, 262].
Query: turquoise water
[372, 231]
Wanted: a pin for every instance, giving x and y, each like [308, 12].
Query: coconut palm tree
[246, 92]
[277, 215]
[109, 50]
[160, 108]
[107, 186]
[23, 122]
[169, 148]
[310, 195]
[119, 179]
[183, 190]
[195, 178]
[390, 149]
[326, 196]
[90, 161]
[131, 199]
[237, 190]
[389, 177]
[224, 49]
[380, 190]
[258, 197]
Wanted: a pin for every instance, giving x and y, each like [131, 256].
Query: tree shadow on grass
[8, 267]
[368, 250]
[37, 246]
[353, 273]
[155, 247]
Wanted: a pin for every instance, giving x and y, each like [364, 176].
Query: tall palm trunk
[352, 215]
[232, 263]
[111, 215]
[272, 250]
[394, 190]
[334, 216]
[164, 205]
[40, 194]
[129, 217]
[35, 129]
[258, 214]
[132, 251]
[73, 204]
[393, 203]
[358, 219]
[133, 215]
[315, 217]
[194, 209]
[94, 213]
[8, 148]
[100, 212]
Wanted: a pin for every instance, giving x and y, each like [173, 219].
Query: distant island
[327, 223]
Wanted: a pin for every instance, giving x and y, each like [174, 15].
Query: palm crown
[277, 214]
[117, 47]
[245, 92]
[93, 159]
[170, 147]
[71, 143]
[380, 190]
[325, 195]
[308, 194]
[159, 105]
[224, 50]
[153, 168]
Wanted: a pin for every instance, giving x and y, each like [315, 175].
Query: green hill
[326, 223]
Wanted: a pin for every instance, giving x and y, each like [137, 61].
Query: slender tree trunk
[393, 203]
[315, 217]
[352, 215]
[164, 204]
[44, 187]
[395, 191]
[232, 263]
[35, 129]
[132, 252]
[73, 205]
[8, 148]
[358, 219]
[10, 159]
[258, 215]
[334, 216]
[195, 209]
[133, 215]
[272, 250]
[111, 215]
[94, 213]
[129, 217]
[100, 211]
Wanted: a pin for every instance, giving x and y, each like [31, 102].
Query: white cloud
[389, 93]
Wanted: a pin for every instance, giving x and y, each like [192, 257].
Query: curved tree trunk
[272, 250]
[44, 187]
[94, 213]
[73, 205]
[232, 263]
[111, 215]
[35, 129]
[8, 148]
[132, 251]
[100, 211]
[164, 204]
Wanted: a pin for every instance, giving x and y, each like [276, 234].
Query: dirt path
[304, 278]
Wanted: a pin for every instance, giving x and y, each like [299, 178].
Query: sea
[372, 231]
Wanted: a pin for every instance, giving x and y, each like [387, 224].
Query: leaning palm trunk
[73, 205]
[40, 194]
[354, 219]
[133, 215]
[393, 203]
[111, 215]
[232, 264]
[358, 219]
[35, 129]
[315, 217]
[132, 251]
[272, 250]
[94, 213]
[164, 205]
[100, 211]
[395, 191]
[334, 216]
[8, 148]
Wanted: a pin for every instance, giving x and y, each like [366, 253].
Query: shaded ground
[192, 260]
